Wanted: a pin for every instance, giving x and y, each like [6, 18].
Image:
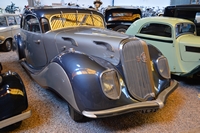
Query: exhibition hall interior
[104, 66]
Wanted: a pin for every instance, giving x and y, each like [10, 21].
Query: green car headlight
[110, 84]
[163, 67]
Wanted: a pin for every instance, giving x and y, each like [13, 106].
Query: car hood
[97, 42]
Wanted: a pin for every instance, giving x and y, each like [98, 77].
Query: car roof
[43, 11]
[121, 7]
[54, 10]
[191, 6]
[182, 11]
[170, 20]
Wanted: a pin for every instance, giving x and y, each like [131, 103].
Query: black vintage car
[99, 72]
[190, 12]
[120, 18]
[13, 101]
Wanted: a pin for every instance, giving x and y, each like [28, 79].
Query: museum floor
[50, 113]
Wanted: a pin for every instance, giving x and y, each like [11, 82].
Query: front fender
[84, 75]
[13, 98]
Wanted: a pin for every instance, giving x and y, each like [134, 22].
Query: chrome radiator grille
[137, 69]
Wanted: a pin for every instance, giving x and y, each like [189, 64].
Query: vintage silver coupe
[99, 72]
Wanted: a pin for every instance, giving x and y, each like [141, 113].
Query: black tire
[75, 115]
[7, 45]
[20, 52]
[121, 28]
[11, 127]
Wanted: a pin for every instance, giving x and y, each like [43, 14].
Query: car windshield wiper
[84, 19]
[91, 15]
[76, 17]
[61, 15]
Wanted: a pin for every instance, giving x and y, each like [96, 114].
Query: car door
[161, 36]
[32, 38]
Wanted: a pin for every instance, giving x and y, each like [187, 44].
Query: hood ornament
[142, 57]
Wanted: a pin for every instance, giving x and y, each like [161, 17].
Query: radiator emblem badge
[142, 57]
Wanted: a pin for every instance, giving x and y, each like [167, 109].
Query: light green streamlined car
[175, 38]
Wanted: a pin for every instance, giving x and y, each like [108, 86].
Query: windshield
[64, 20]
[183, 28]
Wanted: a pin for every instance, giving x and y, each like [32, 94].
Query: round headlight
[163, 67]
[110, 84]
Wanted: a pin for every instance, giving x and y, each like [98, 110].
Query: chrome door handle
[37, 41]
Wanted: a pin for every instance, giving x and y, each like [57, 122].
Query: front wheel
[75, 115]
[7, 46]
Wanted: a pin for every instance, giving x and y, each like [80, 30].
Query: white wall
[151, 3]
[19, 3]
[86, 3]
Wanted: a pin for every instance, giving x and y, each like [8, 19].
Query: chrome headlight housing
[110, 84]
[163, 67]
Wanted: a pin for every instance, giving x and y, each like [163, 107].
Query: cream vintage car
[176, 38]
[9, 26]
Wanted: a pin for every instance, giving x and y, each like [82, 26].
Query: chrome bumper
[14, 119]
[147, 105]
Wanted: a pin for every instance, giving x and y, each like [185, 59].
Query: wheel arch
[18, 46]
[68, 79]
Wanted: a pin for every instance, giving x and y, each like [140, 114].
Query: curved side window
[3, 22]
[184, 28]
[11, 20]
[31, 24]
[157, 29]
[44, 25]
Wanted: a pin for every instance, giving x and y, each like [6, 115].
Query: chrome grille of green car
[137, 69]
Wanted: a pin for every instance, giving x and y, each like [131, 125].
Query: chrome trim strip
[15, 119]
[158, 103]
